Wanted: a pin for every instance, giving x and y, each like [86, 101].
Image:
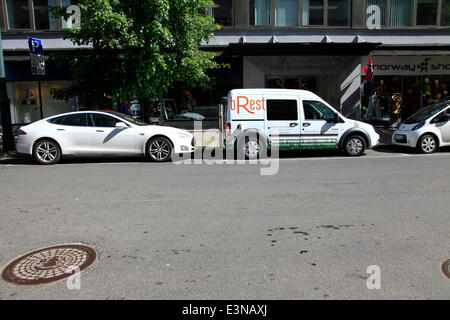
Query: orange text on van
[248, 105]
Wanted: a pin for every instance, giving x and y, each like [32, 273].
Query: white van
[291, 120]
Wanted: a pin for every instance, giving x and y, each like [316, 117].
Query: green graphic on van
[305, 145]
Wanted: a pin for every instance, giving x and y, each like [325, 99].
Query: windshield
[128, 118]
[426, 113]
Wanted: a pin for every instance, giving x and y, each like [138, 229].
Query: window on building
[312, 13]
[402, 13]
[286, 13]
[260, 12]
[279, 110]
[43, 19]
[222, 12]
[18, 14]
[427, 12]
[339, 12]
[445, 17]
[382, 5]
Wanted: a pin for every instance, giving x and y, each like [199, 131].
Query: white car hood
[407, 127]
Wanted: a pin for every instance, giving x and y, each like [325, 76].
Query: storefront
[336, 79]
[28, 103]
[420, 80]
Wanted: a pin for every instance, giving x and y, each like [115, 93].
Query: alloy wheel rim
[159, 150]
[47, 152]
[428, 144]
[354, 146]
[251, 148]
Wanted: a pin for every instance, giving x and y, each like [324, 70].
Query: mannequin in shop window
[437, 92]
[395, 110]
[427, 91]
[373, 105]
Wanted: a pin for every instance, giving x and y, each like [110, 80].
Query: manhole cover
[446, 268]
[49, 264]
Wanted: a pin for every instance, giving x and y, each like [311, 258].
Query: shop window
[43, 19]
[402, 13]
[382, 4]
[18, 14]
[286, 13]
[222, 12]
[260, 12]
[312, 12]
[339, 12]
[279, 110]
[427, 12]
[445, 17]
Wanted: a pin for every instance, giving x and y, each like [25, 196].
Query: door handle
[306, 124]
[293, 125]
[100, 131]
[61, 129]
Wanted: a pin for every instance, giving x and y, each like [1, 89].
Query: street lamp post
[8, 138]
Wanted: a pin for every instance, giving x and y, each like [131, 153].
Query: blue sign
[35, 46]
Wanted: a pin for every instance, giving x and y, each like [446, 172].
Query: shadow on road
[383, 149]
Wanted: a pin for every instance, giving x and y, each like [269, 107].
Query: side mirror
[121, 125]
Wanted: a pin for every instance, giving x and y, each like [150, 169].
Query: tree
[137, 47]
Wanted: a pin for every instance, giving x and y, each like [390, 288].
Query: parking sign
[35, 46]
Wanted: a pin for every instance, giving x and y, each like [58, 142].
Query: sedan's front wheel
[47, 152]
[160, 149]
[427, 144]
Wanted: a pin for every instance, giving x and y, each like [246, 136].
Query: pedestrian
[123, 108]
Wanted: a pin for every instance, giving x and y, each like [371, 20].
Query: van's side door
[283, 121]
[318, 128]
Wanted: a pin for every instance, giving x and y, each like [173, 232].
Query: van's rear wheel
[354, 146]
[251, 147]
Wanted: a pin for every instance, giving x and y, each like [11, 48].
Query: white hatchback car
[425, 130]
[97, 133]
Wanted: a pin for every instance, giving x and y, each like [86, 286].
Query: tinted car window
[79, 120]
[278, 110]
[101, 120]
[316, 110]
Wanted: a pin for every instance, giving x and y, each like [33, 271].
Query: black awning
[300, 49]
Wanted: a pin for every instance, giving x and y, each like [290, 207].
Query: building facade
[319, 45]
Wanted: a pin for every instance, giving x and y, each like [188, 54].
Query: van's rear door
[282, 121]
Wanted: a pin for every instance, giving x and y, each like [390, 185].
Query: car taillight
[22, 133]
[229, 129]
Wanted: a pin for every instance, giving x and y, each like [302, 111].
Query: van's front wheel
[354, 146]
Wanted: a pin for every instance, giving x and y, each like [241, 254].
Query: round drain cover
[446, 268]
[49, 264]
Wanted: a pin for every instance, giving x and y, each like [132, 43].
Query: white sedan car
[100, 133]
[425, 130]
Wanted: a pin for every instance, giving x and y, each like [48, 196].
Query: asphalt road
[224, 231]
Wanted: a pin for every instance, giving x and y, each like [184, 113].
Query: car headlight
[183, 135]
[418, 126]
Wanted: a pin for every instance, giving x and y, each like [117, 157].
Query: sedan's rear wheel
[47, 152]
[160, 149]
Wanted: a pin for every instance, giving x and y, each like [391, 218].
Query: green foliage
[138, 47]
